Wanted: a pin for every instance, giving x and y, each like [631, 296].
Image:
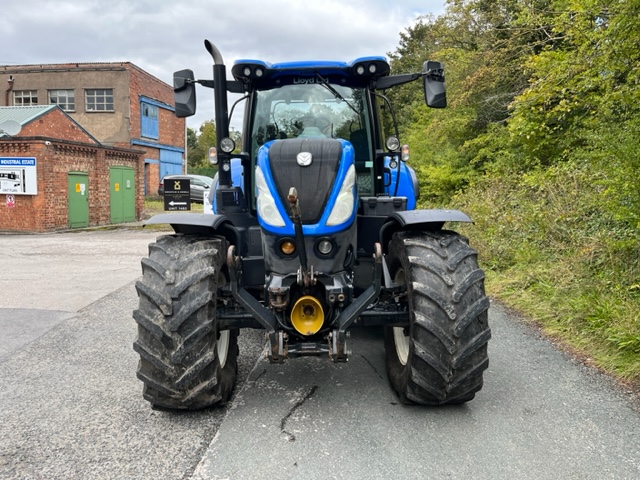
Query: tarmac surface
[61, 273]
[71, 406]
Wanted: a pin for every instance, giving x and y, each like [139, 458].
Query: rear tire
[185, 361]
[441, 356]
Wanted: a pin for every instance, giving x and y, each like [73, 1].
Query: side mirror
[184, 93]
[435, 91]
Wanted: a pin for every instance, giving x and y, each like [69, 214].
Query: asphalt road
[71, 407]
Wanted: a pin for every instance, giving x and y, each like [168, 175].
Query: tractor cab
[315, 100]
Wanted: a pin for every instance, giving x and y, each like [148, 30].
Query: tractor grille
[314, 182]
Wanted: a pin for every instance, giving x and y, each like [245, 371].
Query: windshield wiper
[336, 93]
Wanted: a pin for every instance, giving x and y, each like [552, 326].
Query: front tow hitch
[306, 276]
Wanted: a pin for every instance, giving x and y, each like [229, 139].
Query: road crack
[255, 380]
[372, 366]
[283, 423]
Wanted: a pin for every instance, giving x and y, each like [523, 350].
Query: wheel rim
[402, 344]
[223, 347]
[400, 337]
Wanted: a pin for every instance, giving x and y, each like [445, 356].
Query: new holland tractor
[313, 231]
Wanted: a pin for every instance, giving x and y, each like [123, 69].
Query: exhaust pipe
[221, 112]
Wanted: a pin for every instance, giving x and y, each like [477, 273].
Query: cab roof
[261, 75]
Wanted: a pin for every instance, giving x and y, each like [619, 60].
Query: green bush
[556, 246]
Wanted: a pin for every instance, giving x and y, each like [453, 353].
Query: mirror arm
[387, 82]
[233, 86]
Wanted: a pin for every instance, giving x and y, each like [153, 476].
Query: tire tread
[448, 314]
[176, 318]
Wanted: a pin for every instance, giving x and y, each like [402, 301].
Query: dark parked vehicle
[199, 185]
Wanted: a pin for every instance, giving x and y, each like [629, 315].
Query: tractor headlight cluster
[255, 71]
[392, 143]
[267, 209]
[343, 208]
[324, 246]
[227, 145]
[361, 69]
[373, 67]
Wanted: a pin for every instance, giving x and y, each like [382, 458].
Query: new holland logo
[304, 159]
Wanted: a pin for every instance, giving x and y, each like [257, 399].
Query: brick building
[54, 174]
[118, 104]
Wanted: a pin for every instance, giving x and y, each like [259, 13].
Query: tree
[199, 144]
[198, 154]
[192, 147]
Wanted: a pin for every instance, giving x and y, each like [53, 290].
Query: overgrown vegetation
[539, 145]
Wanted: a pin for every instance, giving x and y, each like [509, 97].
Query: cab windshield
[311, 110]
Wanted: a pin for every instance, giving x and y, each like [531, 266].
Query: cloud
[162, 36]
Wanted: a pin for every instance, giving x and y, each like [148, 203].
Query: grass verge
[553, 250]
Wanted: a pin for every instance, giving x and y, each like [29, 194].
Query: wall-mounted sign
[18, 176]
[177, 194]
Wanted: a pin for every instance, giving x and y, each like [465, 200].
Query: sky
[162, 36]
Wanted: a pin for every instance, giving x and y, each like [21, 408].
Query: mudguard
[198, 223]
[418, 220]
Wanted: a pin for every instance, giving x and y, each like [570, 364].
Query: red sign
[11, 201]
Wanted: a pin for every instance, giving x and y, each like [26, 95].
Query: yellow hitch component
[307, 315]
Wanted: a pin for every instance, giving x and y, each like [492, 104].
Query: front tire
[185, 361]
[439, 358]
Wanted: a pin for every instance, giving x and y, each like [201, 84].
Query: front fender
[198, 223]
[418, 220]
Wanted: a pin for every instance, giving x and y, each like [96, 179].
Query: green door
[123, 194]
[129, 194]
[78, 188]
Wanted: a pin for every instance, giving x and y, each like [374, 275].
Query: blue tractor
[313, 231]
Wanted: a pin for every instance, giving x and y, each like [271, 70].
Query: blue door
[170, 163]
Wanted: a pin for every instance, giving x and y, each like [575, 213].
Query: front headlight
[267, 209]
[343, 208]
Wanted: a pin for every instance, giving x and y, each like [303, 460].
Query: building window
[148, 120]
[25, 97]
[99, 100]
[65, 99]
